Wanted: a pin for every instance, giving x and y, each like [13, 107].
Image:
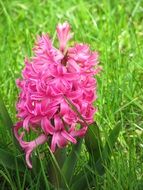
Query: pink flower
[49, 79]
[28, 146]
[64, 35]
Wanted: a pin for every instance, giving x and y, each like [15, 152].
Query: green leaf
[110, 143]
[108, 149]
[5, 116]
[55, 172]
[9, 160]
[56, 176]
[5, 176]
[94, 145]
[81, 180]
[7, 121]
[43, 173]
[93, 141]
[80, 183]
[70, 162]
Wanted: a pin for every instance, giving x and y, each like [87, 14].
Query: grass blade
[8, 160]
[59, 180]
[108, 149]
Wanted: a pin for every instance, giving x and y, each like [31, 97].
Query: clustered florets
[51, 78]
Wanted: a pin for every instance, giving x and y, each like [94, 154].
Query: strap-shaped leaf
[83, 179]
[7, 121]
[56, 176]
[110, 142]
[5, 116]
[93, 142]
[108, 149]
[70, 162]
[8, 160]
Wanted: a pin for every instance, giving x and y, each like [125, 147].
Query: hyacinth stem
[64, 60]
[54, 173]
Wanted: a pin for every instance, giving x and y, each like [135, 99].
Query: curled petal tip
[28, 161]
[28, 146]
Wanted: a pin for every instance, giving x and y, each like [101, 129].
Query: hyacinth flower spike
[50, 78]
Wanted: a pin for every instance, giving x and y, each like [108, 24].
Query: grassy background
[115, 30]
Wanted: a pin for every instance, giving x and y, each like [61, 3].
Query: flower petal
[63, 33]
[53, 143]
[28, 146]
[58, 123]
[68, 137]
[47, 126]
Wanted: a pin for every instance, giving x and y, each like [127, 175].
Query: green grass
[115, 30]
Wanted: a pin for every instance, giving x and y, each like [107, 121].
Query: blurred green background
[114, 28]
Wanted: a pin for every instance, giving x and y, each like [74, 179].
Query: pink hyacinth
[56, 85]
